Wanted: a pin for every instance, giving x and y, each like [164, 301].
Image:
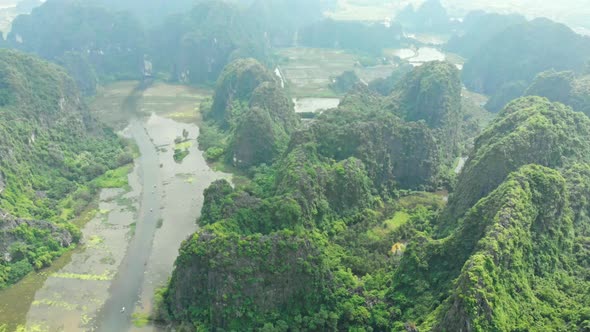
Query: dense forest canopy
[51, 149]
[477, 29]
[521, 51]
[150, 13]
[357, 36]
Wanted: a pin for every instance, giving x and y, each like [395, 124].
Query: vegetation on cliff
[564, 87]
[523, 129]
[362, 252]
[92, 43]
[477, 29]
[194, 46]
[356, 36]
[250, 119]
[51, 149]
[339, 196]
[521, 51]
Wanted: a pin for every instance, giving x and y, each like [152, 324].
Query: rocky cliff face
[432, 93]
[219, 278]
[2, 183]
[515, 231]
[10, 235]
[50, 150]
[525, 127]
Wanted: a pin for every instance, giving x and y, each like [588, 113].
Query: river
[129, 247]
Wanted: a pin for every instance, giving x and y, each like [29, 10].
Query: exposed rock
[217, 278]
[2, 183]
[8, 237]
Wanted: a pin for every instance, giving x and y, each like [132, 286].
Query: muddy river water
[128, 248]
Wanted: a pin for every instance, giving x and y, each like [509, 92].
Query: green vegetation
[537, 45]
[52, 150]
[116, 178]
[509, 265]
[345, 81]
[331, 236]
[150, 13]
[385, 86]
[525, 127]
[140, 319]
[477, 30]
[180, 154]
[309, 238]
[356, 36]
[564, 87]
[250, 119]
[505, 94]
[194, 46]
[432, 92]
[92, 43]
[281, 19]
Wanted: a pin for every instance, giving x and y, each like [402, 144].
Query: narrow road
[126, 286]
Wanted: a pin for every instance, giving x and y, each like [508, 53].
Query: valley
[127, 250]
[294, 165]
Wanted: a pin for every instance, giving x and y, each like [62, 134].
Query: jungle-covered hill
[521, 51]
[51, 148]
[331, 232]
[102, 41]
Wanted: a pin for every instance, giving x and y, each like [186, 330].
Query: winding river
[129, 247]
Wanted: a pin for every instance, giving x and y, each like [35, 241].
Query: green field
[177, 102]
[308, 71]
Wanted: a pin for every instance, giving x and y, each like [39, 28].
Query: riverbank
[129, 247]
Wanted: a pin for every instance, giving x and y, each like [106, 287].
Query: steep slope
[253, 114]
[518, 268]
[282, 19]
[477, 29]
[195, 46]
[351, 35]
[564, 87]
[288, 277]
[529, 130]
[516, 232]
[150, 13]
[50, 149]
[338, 201]
[236, 84]
[432, 92]
[85, 38]
[521, 51]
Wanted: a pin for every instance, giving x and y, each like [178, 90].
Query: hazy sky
[573, 12]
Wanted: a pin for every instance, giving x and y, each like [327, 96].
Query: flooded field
[130, 244]
[418, 56]
[309, 71]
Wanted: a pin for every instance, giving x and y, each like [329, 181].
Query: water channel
[130, 245]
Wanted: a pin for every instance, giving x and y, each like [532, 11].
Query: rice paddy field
[309, 71]
[177, 102]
